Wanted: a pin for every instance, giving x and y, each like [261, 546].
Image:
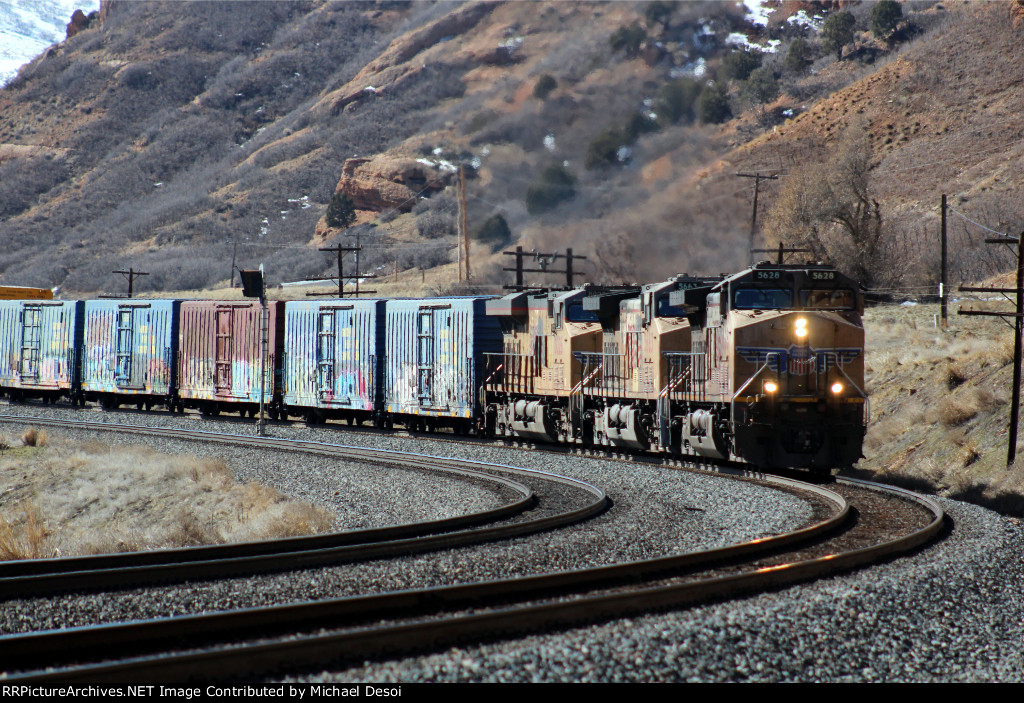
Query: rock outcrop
[384, 182]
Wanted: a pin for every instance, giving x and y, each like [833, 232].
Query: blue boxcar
[333, 358]
[39, 340]
[129, 351]
[435, 360]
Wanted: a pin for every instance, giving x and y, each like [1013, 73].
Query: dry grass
[98, 499]
[939, 402]
[34, 438]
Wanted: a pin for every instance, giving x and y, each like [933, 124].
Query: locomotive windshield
[830, 298]
[762, 298]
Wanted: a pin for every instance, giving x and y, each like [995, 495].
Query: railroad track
[296, 635]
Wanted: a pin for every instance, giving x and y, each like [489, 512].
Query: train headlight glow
[837, 388]
[801, 327]
[770, 387]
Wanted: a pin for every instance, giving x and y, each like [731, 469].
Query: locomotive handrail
[732, 404]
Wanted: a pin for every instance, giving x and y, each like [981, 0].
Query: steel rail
[36, 577]
[67, 645]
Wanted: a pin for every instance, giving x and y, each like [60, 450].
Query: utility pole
[463, 224]
[543, 260]
[340, 250]
[782, 252]
[1018, 318]
[753, 217]
[942, 281]
[130, 274]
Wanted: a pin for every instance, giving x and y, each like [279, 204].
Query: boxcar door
[222, 360]
[425, 355]
[325, 355]
[125, 335]
[31, 341]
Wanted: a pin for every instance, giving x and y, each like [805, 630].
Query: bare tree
[828, 207]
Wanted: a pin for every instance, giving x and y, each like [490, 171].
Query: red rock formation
[1017, 13]
[384, 182]
[78, 22]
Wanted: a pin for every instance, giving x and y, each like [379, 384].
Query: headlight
[837, 388]
[770, 387]
[801, 327]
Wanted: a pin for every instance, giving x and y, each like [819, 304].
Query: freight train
[765, 366]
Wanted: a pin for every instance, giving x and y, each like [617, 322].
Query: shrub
[639, 123]
[837, 32]
[556, 184]
[604, 149]
[493, 231]
[761, 87]
[543, 87]
[884, 18]
[628, 39]
[676, 100]
[34, 438]
[740, 64]
[713, 105]
[341, 212]
[798, 58]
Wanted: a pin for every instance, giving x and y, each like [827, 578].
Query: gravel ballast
[952, 612]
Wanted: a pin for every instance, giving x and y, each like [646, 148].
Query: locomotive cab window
[576, 313]
[666, 309]
[828, 298]
[762, 298]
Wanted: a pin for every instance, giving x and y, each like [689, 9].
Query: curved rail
[67, 645]
[41, 576]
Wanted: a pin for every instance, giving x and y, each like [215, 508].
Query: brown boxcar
[219, 350]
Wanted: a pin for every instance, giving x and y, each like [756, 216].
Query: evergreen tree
[799, 56]
[555, 185]
[341, 212]
[884, 18]
[713, 105]
[837, 32]
[740, 63]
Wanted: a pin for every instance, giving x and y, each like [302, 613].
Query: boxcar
[38, 343]
[219, 349]
[129, 352]
[334, 359]
[435, 360]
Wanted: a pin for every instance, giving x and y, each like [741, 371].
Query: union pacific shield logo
[798, 358]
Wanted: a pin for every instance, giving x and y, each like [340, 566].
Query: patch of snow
[739, 39]
[28, 27]
[802, 19]
[694, 69]
[549, 142]
[623, 154]
[440, 164]
[758, 11]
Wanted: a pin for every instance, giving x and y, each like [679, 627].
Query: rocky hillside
[173, 136]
